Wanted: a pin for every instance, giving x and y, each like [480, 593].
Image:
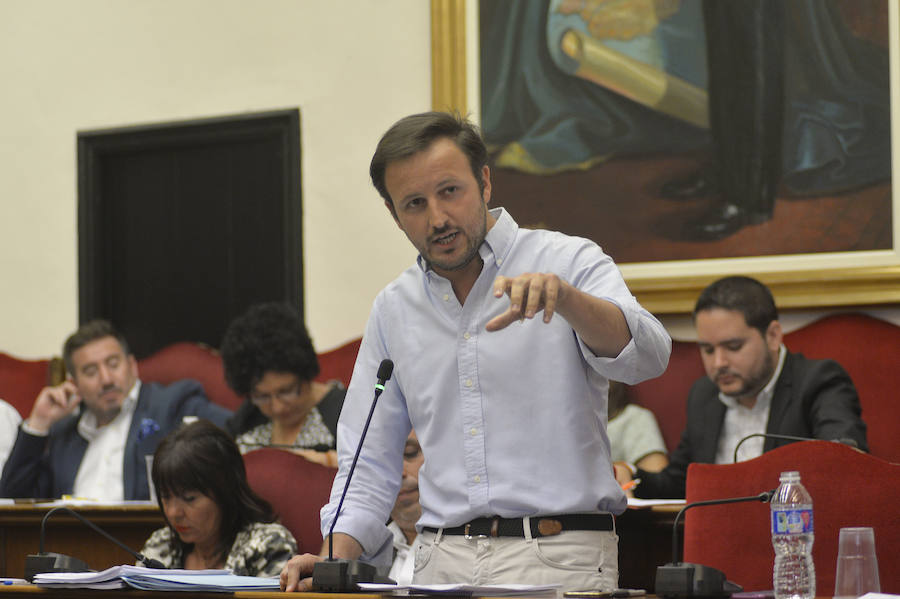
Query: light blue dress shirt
[511, 423]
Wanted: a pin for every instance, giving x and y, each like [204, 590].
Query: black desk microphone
[57, 562]
[679, 579]
[342, 575]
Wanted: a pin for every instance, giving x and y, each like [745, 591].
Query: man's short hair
[413, 134]
[741, 294]
[86, 333]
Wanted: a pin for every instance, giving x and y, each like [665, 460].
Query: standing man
[753, 385]
[507, 396]
[89, 435]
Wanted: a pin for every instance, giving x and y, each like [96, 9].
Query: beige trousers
[578, 559]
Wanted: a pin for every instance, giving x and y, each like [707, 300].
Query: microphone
[678, 579]
[57, 562]
[342, 575]
[846, 441]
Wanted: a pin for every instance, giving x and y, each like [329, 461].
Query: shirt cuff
[33, 431]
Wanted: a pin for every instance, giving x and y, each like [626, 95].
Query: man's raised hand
[529, 294]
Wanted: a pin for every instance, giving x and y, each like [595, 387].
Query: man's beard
[755, 383]
[473, 244]
[109, 414]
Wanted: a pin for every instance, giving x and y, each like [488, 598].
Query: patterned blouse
[259, 549]
[313, 434]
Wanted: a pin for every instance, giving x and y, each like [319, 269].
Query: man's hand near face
[52, 405]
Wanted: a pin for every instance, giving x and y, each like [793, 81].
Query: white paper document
[164, 581]
[490, 590]
[111, 578]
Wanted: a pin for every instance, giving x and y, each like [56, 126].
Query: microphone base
[52, 562]
[692, 580]
[343, 576]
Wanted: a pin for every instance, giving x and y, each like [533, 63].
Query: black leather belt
[541, 526]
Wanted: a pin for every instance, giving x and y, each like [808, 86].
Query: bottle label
[792, 522]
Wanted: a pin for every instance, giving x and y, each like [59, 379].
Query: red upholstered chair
[848, 487]
[337, 364]
[868, 348]
[666, 396]
[21, 381]
[296, 488]
[185, 360]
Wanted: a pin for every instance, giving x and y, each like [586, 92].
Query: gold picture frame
[815, 281]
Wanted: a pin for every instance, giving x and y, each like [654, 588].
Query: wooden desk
[20, 530]
[33, 592]
[645, 538]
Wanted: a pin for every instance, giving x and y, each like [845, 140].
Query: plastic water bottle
[794, 576]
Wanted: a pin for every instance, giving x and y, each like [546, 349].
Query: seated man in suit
[89, 435]
[753, 385]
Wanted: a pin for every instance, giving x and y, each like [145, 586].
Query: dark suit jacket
[812, 398]
[45, 466]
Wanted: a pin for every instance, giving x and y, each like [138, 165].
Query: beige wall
[352, 66]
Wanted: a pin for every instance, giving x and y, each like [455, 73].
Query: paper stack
[156, 580]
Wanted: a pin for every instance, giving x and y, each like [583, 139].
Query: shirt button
[468, 382]
[466, 335]
[499, 261]
[473, 431]
[446, 297]
[477, 479]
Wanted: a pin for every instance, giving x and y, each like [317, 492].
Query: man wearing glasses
[269, 359]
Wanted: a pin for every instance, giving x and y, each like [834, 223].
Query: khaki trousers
[578, 559]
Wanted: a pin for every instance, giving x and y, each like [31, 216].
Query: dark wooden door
[182, 226]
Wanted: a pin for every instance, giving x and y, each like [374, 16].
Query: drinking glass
[857, 566]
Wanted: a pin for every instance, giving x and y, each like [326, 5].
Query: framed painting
[605, 139]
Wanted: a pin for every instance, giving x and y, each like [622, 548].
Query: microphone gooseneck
[678, 580]
[764, 497]
[148, 562]
[843, 440]
[767, 435]
[385, 370]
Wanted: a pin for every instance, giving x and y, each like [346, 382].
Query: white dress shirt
[101, 473]
[404, 565]
[511, 423]
[741, 421]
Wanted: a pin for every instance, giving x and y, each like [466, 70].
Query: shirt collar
[497, 243]
[765, 395]
[87, 424]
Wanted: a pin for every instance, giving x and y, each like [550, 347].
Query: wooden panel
[20, 527]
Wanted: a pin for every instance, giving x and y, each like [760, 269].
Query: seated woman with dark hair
[269, 359]
[214, 518]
